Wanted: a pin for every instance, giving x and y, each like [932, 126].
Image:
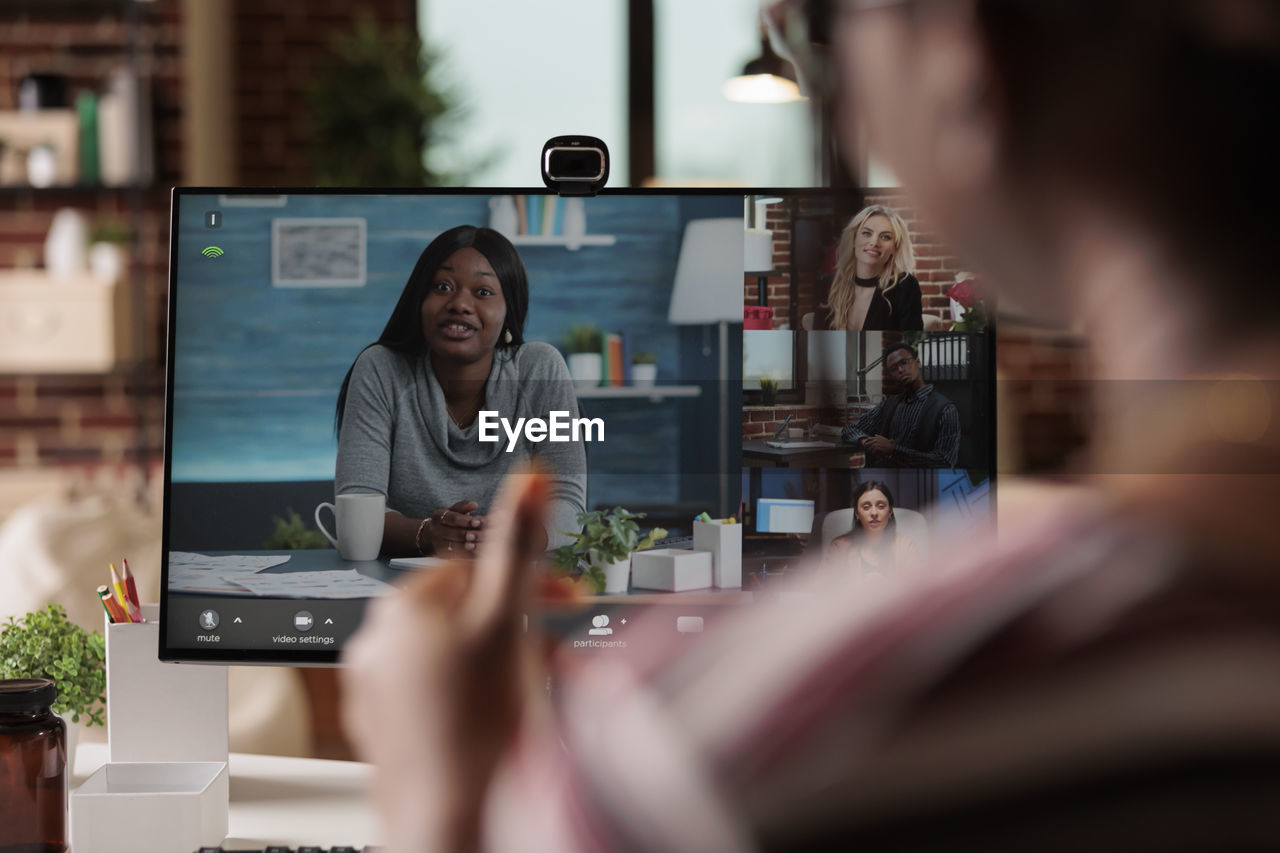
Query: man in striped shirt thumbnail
[917, 428]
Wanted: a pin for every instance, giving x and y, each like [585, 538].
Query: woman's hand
[454, 531]
[439, 678]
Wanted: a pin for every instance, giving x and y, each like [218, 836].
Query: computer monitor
[782, 515]
[274, 294]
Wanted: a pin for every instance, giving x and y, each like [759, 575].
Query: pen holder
[161, 711]
[144, 807]
[165, 786]
[724, 541]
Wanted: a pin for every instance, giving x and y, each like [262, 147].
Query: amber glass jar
[33, 768]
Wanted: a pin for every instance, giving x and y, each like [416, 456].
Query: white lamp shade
[757, 251]
[708, 285]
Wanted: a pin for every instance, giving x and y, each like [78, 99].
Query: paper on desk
[225, 563]
[191, 572]
[203, 580]
[337, 583]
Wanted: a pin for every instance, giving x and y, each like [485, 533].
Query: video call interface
[765, 370]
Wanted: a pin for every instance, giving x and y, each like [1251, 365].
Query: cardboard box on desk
[671, 569]
[724, 541]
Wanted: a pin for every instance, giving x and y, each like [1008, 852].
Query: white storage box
[161, 711]
[142, 807]
[58, 326]
[671, 569]
[724, 541]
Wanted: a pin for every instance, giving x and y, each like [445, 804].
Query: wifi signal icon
[211, 252]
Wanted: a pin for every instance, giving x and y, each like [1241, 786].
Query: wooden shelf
[75, 189]
[632, 392]
[570, 243]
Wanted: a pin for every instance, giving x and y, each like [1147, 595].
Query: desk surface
[328, 559]
[280, 800]
[757, 452]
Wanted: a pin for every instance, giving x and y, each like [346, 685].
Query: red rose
[967, 292]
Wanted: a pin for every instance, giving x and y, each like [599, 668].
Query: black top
[26, 695]
[898, 310]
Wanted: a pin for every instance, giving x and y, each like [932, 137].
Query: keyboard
[675, 542]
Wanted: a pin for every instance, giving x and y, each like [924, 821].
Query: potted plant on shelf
[583, 345]
[45, 644]
[107, 242]
[768, 390]
[644, 369]
[601, 550]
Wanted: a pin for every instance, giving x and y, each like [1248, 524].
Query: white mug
[360, 517]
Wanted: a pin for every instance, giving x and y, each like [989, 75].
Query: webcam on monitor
[575, 165]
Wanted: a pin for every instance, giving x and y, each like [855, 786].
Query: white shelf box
[76, 325]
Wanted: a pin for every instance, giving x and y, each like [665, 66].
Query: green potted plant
[644, 369]
[45, 644]
[378, 80]
[292, 534]
[583, 345]
[602, 548]
[768, 390]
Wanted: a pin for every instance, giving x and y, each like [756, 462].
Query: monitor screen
[780, 515]
[275, 297]
[323, 400]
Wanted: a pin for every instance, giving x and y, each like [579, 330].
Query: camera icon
[303, 620]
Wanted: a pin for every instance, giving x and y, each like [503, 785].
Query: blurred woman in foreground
[1102, 677]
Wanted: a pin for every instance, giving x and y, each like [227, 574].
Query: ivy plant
[604, 536]
[45, 644]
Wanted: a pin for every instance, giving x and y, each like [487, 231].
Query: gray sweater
[397, 438]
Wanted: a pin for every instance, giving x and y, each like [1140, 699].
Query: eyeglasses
[897, 365]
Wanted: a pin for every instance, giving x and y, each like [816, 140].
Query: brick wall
[279, 45]
[95, 419]
[936, 264]
[88, 420]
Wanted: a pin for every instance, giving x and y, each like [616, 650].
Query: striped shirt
[726, 743]
[903, 425]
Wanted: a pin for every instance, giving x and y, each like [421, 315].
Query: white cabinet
[77, 325]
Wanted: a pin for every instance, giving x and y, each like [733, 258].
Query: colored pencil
[122, 597]
[114, 613]
[129, 586]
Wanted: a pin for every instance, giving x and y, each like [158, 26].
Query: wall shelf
[633, 392]
[570, 243]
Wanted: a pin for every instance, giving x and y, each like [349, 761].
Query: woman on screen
[873, 288]
[873, 546]
[409, 409]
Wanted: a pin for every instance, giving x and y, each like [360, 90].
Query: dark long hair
[890, 533]
[403, 332]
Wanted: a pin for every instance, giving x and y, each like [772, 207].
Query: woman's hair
[901, 263]
[875, 486]
[403, 332]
